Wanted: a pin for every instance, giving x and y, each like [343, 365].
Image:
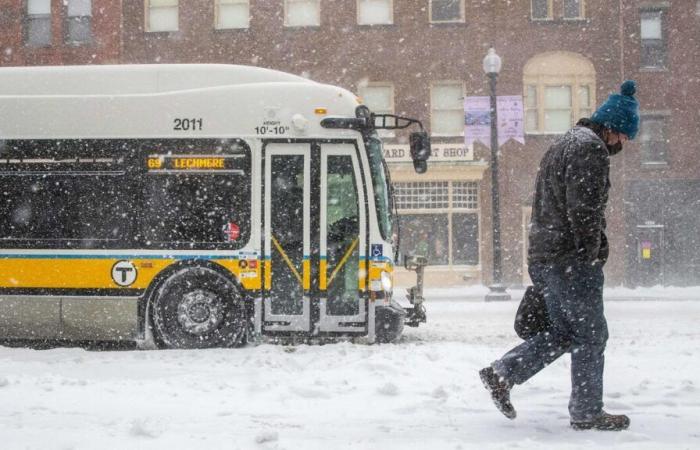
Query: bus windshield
[380, 184]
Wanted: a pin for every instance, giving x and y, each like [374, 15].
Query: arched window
[559, 88]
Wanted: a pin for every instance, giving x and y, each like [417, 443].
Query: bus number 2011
[187, 124]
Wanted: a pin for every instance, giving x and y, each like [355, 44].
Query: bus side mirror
[420, 150]
[414, 262]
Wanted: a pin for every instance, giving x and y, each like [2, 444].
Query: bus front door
[315, 238]
[343, 308]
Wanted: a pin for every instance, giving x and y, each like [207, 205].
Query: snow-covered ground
[421, 393]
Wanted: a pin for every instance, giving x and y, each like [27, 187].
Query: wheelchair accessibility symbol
[377, 251]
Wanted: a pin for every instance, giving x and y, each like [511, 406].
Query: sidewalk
[476, 293]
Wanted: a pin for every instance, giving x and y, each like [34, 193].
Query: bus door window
[287, 234]
[342, 215]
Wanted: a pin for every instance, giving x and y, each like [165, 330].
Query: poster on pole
[510, 119]
[477, 121]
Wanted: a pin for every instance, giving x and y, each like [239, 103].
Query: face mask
[615, 148]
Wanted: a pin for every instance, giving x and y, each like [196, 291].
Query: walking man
[568, 249]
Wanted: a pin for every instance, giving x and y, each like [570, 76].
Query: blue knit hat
[620, 112]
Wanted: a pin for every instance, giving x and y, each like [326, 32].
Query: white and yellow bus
[200, 205]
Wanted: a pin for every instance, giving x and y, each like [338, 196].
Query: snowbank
[422, 393]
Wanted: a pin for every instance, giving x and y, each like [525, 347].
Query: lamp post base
[497, 293]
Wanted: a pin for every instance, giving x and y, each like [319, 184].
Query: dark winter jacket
[571, 191]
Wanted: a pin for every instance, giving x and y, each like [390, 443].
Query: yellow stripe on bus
[323, 275]
[362, 275]
[87, 273]
[307, 274]
[268, 274]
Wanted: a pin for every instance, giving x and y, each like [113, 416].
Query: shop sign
[394, 153]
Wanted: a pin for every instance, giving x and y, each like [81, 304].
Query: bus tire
[197, 307]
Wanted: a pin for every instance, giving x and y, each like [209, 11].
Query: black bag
[532, 317]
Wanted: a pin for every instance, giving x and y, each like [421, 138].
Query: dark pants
[574, 298]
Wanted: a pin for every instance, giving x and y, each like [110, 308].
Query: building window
[585, 107]
[541, 9]
[447, 11]
[573, 9]
[652, 37]
[653, 140]
[439, 220]
[447, 114]
[375, 12]
[161, 15]
[422, 195]
[558, 107]
[531, 114]
[559, 89]
[697, 8]
[302, 13]
[38, 23]
[79, 22]
[465, 194]
[232, 14]
[379, 97]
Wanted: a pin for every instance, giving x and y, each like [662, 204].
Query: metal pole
[497, 291]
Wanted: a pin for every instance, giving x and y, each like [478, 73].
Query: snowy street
[421, 393]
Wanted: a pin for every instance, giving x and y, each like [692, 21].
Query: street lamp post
[497, 290]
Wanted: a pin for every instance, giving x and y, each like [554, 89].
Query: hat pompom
[629, 87]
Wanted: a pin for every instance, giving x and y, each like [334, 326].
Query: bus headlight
[387, 283]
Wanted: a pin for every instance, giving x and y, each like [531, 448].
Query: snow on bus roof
[133, 79]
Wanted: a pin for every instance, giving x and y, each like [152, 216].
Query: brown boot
[604, 422]
[500, 391]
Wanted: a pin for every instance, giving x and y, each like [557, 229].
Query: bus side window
[190, 206]
[63, 194]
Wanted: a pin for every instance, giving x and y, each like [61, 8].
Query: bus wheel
[198, 308]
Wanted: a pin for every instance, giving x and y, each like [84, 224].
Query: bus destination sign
[190, 163]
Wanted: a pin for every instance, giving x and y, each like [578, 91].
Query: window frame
[359, 15]
[660, 44]
[570, 109]
[27, 18]
[433, 86]
[147, 17]
[286, 14]
[448, 210]
[462, 14]
[67, 23]
[205, 147]
[68, 162]
[550, 12]
[217, 14]
[644, 146]
[392, 100]
[575, 84]
[581, 11]
[68, 159]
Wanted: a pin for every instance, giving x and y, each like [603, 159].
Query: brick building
[49, 32]
[420, 58]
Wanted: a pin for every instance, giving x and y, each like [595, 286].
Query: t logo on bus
[124, 273]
